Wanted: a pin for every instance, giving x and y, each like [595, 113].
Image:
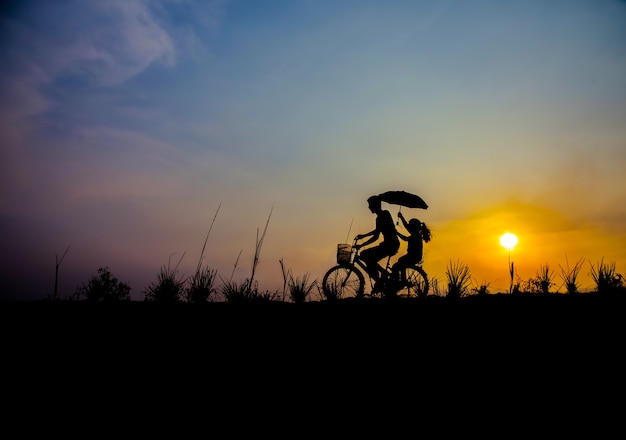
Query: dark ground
[529, 360]
[493, 322]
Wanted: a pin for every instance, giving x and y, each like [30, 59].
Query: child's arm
[404, 222]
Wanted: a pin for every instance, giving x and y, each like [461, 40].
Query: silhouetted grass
[331, 293]
[168, 287]
[234, 292]
[56, 271]
[607, 280]
[459, 277]
[259, 243]
[299, 287]
[482, 289]
[570, 276]
[246, 291]
[200, 286]
[435, 289]
[544, 278]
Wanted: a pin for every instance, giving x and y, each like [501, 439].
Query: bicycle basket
[344, 253]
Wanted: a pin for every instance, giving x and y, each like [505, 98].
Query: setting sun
[508, 240]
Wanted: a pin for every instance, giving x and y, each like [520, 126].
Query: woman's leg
[371, 257]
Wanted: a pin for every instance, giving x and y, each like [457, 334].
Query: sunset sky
[127, 126]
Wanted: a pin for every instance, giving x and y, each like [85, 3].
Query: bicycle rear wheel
[417, 284]
[343, 281]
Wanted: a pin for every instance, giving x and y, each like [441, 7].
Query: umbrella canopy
[403, 198]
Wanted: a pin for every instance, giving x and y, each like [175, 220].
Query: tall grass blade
[259, 243]
[235, 266]
[56, 272]
[349, 229]
[207, 238]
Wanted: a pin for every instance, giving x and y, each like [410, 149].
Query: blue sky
[126, 124]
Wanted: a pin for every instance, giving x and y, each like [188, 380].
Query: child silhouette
[418, 234]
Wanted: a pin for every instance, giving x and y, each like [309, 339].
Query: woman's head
[374, 203]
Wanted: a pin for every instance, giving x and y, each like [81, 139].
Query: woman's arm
[373, 234]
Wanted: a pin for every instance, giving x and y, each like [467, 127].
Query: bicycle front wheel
[417, 284]
[343, 281]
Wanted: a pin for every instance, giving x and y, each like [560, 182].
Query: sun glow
[508, 240]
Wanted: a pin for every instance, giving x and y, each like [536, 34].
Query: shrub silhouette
[104, 287]
[543, 281]
[482, 289]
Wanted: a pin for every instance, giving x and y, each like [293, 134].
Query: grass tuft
[168, 288]
[607, 279]
[299, 288]
[544, 279]
[200, 288]
[246, 291]
[570, 276]
[459, 278]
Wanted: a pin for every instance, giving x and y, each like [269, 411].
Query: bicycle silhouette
[347, 279]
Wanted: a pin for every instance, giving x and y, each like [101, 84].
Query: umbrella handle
[398, 221]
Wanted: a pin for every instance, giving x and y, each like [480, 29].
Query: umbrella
[403, 198]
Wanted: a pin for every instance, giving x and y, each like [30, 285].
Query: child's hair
[425, 231]
[421, 228]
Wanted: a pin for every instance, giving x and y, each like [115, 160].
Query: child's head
[414, 226]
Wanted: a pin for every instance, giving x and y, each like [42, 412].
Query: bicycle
[347, 279]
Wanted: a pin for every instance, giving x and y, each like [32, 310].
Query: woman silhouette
[388, 247]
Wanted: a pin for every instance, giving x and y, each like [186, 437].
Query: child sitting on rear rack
[419, 233]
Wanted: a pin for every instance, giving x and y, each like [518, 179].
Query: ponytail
[425, 231]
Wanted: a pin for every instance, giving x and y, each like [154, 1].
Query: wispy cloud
[105, 43]
[53, 47]
[119, 39]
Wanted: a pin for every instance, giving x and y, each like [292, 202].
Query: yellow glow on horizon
[508, 241]
[545, 236]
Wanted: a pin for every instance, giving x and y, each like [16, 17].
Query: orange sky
[545, 237]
